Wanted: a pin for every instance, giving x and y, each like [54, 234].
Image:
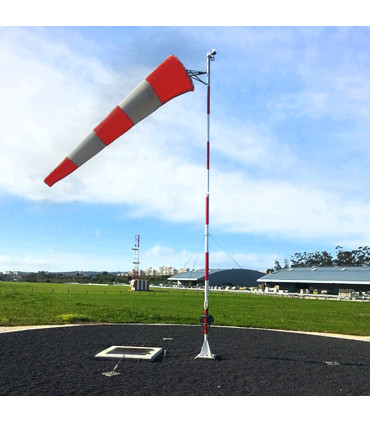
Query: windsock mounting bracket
[193, 74]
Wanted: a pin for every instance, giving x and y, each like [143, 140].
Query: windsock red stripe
[61, 171]
[170, 79]
[113, 126]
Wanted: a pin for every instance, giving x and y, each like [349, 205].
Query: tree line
[78, 277]
[343, 258]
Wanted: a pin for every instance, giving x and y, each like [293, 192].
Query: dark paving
[250, 362]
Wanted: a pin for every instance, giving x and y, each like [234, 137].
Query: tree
[277, 265]
[359, 257]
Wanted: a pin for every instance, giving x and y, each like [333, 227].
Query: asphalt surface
[61, 362]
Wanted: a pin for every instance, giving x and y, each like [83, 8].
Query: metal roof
[239, 277]
[192, 275]
[347, 275]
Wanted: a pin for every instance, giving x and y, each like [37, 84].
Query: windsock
[167, 81]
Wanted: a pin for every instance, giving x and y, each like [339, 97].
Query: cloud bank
[263, 181]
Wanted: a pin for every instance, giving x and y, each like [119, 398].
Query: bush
[74, 318]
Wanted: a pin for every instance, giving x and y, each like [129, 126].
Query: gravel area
[60, 361]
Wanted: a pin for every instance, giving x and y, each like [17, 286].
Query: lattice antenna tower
[136, 261]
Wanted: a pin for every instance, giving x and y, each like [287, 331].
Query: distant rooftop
[238, 277]
[192, 275]
[343, 274]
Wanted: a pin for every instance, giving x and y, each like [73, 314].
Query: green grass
[45, 303]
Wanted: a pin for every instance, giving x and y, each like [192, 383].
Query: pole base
[205, 352]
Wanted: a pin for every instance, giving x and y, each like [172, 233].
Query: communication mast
[136, 261]
[136, 283]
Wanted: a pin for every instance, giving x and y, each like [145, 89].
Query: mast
[136, 253]
[206, 320]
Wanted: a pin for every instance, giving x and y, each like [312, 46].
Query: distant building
[181, 270]
[219, 277]
[161, 271]
[148, 272]
[165, 271]
[318, 279]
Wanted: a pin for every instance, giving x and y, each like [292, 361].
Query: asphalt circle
[61, 362]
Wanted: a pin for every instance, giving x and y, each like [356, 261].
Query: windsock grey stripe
[90, 146]
[141, 102]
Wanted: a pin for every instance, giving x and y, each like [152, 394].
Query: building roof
[345, 275]
[239, 277]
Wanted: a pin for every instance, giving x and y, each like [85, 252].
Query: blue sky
[290, 153]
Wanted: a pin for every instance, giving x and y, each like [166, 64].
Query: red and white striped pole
[207, 319]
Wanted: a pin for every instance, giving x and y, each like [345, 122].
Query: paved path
[333, 335]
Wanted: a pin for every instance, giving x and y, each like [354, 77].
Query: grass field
[45, 303]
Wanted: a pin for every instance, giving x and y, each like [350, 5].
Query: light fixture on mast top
[211, 55]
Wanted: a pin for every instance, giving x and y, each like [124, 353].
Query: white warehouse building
[329, 279]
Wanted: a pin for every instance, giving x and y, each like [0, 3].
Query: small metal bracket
[110, 374]
[206, 320]
[193, 74]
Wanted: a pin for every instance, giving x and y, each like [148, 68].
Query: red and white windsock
[167, 81]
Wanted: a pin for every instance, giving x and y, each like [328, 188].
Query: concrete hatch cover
[137, 353]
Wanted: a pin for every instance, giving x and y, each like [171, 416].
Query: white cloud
[52, 97]
[164, 256]
[224, 260]
[59, 261]
[244, 205]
